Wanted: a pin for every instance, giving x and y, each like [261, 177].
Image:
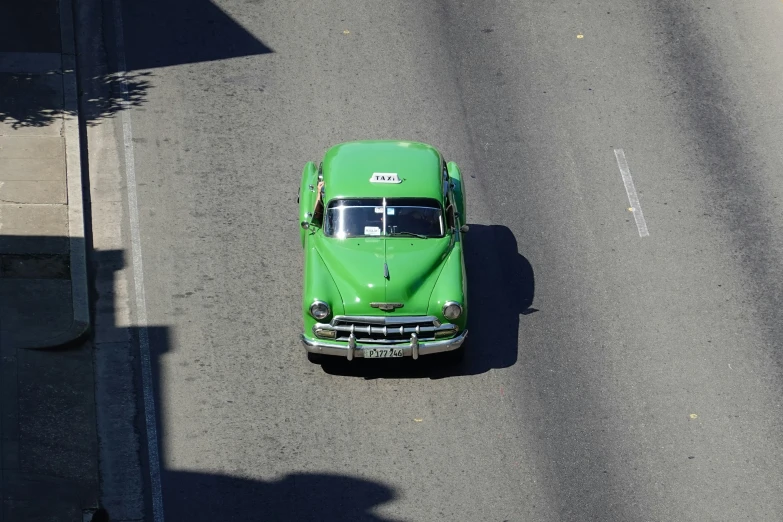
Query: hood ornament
[386, 271]
[387, 307]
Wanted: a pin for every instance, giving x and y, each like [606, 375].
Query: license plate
[379, 353]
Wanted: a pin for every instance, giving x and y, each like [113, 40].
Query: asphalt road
[610, 376]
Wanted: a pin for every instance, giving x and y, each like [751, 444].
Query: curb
[80, 326]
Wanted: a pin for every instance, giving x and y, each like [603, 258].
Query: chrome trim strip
[380, 329]
[385, 319]
[377, 329]
[343, 349]
[414, 346]
[429, 332]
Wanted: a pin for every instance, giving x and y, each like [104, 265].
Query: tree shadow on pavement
[155, 34]
[501, 287]
[113, 100]
[35, 100]
[31, 100]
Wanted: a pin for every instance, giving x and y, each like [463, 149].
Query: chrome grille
[372, 329]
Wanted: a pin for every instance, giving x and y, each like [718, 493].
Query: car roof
[349, 167]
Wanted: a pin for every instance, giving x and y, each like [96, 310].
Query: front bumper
[414, 348]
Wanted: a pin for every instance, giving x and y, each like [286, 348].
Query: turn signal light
[323, 333]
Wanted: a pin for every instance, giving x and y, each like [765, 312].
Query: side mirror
[464, 228]
[305, 224]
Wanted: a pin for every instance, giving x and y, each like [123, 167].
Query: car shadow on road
[501, 287]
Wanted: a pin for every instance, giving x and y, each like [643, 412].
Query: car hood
[357, 268]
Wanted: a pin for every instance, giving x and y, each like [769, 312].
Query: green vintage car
[384, 276]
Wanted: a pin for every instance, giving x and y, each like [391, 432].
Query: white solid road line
[138, 279]
[633, 198]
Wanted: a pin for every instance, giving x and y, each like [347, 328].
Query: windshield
[383, 217]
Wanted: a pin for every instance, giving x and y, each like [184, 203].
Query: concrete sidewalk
[48, 447]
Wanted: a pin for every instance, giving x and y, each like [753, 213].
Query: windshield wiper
[406, 233]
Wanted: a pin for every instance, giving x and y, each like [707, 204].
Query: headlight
[319, 310]
[452, 310]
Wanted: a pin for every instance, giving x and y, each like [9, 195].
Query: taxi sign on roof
[385, 177]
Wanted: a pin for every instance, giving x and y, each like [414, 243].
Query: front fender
[451, 286]
[318, 285]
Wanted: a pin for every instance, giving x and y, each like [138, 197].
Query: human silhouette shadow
[303, 497]
[501, 287]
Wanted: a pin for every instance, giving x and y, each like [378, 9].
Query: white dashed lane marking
[633, 198]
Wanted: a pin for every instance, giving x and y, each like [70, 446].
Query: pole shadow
[203, 496]
[46, 381]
